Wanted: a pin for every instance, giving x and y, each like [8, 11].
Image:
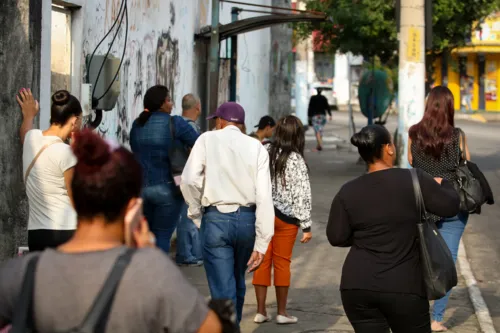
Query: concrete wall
[20, 27]
[161, 49]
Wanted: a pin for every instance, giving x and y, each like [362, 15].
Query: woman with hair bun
[152, 294]
[376, 215]
[48, 168]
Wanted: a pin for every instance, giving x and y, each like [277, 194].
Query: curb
[472, 117]
[481, 309]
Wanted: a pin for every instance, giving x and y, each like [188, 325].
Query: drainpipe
[213, 67]
[234, 57]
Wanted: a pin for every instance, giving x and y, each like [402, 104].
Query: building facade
[474, 70]
[161, 48]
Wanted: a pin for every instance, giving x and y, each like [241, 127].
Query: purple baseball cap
[230, 111]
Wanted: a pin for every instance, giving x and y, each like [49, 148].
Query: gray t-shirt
[193, 124]
[153, 295]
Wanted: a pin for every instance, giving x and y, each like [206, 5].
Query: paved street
[316, 267]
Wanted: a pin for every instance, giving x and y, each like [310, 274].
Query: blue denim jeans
[188, 239]
[162, 207]
[452, 230]
[228, 240]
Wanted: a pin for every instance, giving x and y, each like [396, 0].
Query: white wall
[160, 49]
[341, 82]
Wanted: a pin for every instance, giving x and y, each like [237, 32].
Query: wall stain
[172, 14]
[167, 62]
[122, 130]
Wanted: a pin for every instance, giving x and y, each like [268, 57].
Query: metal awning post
[234, 58]
[213, 66]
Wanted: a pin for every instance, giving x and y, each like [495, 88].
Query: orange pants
[279, 255]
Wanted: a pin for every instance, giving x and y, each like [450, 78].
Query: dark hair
[435, 130]
[289, 137]
[266, 121]
[105, 179]
[153, 100]
[64, 106]
[370, 142]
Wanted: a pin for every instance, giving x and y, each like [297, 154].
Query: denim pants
[228, 240]
[188, 239]
[452, 230]
[162, 207]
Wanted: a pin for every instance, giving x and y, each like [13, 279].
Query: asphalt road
[482, 235]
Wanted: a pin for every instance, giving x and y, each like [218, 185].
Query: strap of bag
[97, 317]
[422, 213]
[23, 310]
[462, 143]
[28, 171]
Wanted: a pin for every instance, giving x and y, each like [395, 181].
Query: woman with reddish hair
[151, 296]
[435, 146]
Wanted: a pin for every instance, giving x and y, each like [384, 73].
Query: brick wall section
[280, 71]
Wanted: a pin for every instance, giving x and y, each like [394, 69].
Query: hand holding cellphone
[133, 219]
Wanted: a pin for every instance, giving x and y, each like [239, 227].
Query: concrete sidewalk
[316, 267]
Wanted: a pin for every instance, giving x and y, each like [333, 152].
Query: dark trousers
[39, 240]
[380, 312]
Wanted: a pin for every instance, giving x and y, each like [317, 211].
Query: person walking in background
[318, 107]
[292, 208]
[376, 214]
[152, 295]
[188, 240]
[467, 92]
[265, 129]
[48, 168]
[434, 145]
[152, 141]
[227, 185]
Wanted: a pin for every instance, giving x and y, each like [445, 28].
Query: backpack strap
[97, 317]
[23, 310]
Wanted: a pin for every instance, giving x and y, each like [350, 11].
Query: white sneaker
[259, 318]
[282, 320]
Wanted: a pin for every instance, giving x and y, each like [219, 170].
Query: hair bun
[61, 97]
[360, 139]
[91, 151]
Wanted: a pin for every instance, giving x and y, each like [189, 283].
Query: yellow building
[473, 72]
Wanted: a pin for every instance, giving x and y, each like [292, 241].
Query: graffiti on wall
[167, 62]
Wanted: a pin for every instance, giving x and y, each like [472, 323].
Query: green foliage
[368, 27]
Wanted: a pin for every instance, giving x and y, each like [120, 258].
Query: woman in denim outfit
[435, 147]
[151, 140]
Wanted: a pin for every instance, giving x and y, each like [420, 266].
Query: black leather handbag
[468, 186]
[438, 267]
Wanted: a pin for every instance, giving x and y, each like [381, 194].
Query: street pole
[234, 58]
[411, 71]
[213, 67]
[349, 96]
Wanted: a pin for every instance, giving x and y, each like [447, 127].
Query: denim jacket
[151, 143]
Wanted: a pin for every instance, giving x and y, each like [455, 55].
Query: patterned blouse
[294, 199]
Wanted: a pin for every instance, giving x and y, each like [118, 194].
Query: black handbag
[438, 267]
[97, 317]
[467, 185]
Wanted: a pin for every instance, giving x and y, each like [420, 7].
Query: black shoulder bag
[468, 185]
[438, 267]
[97, 317]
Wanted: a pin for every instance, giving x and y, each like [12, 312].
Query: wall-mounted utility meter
[106, 89]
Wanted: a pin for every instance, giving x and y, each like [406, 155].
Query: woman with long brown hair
[292, 208]
[435, 146]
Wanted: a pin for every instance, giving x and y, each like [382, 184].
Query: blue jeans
[188, 239]
[228, 240]
[162, 207]
[452, 230]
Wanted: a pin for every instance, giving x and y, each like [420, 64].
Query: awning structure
[480, 48]
[256, 23]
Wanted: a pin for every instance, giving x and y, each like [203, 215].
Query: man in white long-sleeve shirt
[227, 186]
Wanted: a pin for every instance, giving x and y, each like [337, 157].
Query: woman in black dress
[375, 214]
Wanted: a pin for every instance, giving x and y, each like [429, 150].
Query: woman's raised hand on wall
[28, 104]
